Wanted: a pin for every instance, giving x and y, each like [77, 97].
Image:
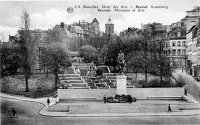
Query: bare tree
[27, 46]
[2, 38]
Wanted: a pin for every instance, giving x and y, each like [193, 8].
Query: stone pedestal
[121, 84]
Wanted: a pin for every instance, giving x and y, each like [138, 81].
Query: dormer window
[179, 34]
[182, 24]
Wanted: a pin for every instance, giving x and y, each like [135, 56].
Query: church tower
[95, 26]
[109, 27]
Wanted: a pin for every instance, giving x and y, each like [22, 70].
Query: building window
[169, 52]
[174, 43]
[182, 24]
[167, 44]
[183, 43]
[179, 43]
[174, 52]
[183, 52]
[179, 52]
[179, 34]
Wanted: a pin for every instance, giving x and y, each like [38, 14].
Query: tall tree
[112, 55]
[54, 57]
[27, 47]
[88, 52]
[144, 45]
[135, 62]
[10, 58]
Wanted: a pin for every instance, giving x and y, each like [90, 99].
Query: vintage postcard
[102, 62]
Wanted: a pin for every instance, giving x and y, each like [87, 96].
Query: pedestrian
[48, 101]
[169, 108]
[185, 92]
[14, 113]
[104, 99]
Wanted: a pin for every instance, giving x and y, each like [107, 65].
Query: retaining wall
[139, 93]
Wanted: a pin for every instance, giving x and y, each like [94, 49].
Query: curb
[27, 101]
[104, 114]
[120, 115]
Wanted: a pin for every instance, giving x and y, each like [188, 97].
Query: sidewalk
[179, 72]
[44, 111]
[192, 86]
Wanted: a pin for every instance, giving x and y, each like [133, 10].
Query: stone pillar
[121, 84]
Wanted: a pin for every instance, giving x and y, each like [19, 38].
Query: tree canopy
[88, 52]
[55, 58]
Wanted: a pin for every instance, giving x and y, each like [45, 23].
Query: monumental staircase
[71, 80]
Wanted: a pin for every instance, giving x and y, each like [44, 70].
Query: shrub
[141, 82]
[154, 83]
[10, 84]
[135, 83]
[88, 52]
[180, 82]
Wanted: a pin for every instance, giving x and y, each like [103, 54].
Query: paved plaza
[98, 108]
[139, 108]
[29, 113]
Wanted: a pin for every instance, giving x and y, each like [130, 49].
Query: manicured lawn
[39, 85]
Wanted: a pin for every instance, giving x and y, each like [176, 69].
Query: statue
[121, 62]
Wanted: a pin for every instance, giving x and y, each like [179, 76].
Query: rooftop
[95, 21]
[109, 21]
[196, 8]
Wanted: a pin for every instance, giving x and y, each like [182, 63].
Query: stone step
[113, 80]
[82, 67]
[111, 77]
[70, 70]
[85, 77]
[102, 86]
[88, 80]
[109, 74]
[78, 85]
[110, 84]
[70, 78]
[76, 81]
[68, 75]
[81, 64]
[166, 98]
[91, 84]
[104, 69]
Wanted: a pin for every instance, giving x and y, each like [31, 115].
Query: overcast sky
[46, 14]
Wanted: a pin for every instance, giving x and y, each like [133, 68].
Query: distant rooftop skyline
[46, 14]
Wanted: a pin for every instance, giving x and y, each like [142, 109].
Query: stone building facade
[175, 45]
[193, 50]
[192, 21]
[109, 28]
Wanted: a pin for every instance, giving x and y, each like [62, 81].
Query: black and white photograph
[100, 62]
